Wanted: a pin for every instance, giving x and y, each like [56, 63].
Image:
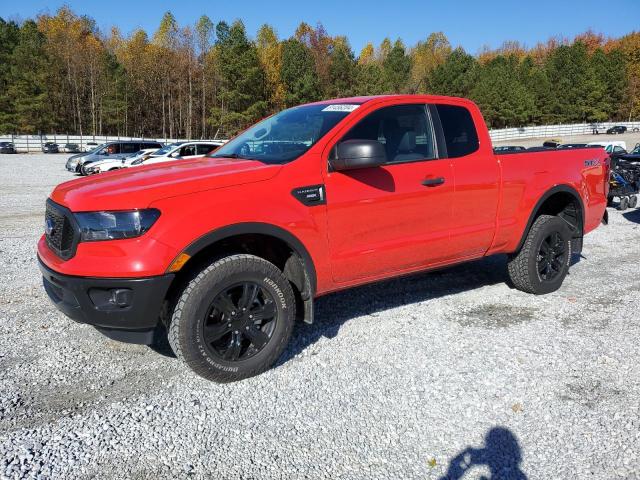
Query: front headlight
[96, 226]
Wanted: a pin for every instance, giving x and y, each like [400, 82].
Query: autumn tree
[425, 57]
[270, 55]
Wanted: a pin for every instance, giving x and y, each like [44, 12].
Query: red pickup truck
[227, 251]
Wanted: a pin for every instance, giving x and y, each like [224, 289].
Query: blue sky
[470, 24]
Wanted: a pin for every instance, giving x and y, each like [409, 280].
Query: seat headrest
[408, 142]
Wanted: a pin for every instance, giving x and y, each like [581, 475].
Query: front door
[396, 217]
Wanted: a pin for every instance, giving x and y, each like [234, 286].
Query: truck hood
[138, 187]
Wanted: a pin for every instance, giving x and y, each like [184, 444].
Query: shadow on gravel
[333, 310]
[632, 216]
[501, 456]
[161, 343]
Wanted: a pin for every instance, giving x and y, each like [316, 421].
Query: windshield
[286, 135]
[166, 149]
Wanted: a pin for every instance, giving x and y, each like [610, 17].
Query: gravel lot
[394, 380]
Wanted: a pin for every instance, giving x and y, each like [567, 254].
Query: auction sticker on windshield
[340, 107]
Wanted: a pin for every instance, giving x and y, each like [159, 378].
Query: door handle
[433, 182]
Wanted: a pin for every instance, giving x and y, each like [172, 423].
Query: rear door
[477, 182]
[396, 217]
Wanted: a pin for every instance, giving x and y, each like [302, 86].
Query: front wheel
[234, 319]
[543, 261]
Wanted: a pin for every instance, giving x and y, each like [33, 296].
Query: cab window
[404, 130]
[459, 131]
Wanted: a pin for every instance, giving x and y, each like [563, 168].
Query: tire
[633, 201]
[524, 266]
[624, 203]
[204, 334]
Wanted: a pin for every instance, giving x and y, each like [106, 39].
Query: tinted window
[188, 150]
[404, 130]
[204, 149]
[460, 133]
[112, 148]
[129, 147]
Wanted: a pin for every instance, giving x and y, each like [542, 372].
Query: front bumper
[124, 309]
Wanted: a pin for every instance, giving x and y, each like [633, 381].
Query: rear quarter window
[459, 130]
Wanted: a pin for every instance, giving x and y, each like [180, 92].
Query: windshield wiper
[232, 155]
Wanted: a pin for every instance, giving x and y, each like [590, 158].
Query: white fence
[551, 131]
[34, 143]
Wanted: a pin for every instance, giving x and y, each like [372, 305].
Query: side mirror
[175, 155]
[354, 154]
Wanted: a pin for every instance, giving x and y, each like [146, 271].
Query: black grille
[61, 233]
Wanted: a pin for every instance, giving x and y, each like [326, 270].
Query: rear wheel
[633, 201]
[624, 203]
[234, 319]
[543, 261]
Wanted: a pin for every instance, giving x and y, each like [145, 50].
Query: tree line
[60, 73]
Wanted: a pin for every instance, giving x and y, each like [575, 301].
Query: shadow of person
[501, 455]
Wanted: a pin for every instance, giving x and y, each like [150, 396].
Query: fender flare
[552, 191]
[261, 229]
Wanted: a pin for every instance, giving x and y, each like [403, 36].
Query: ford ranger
[224, 253]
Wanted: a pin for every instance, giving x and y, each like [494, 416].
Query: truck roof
[365, 99]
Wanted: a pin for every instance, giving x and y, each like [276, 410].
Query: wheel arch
[550, 202]
[268, 241]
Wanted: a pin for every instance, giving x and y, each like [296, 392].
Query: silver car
[110, 150]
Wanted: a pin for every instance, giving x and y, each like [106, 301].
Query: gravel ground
[451, 371]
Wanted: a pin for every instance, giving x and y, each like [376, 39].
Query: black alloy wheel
[239, 322]
[552, 257]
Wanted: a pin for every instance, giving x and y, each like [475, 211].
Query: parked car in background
[7, 147]
[572, 145]
[114, 150]
[612, 146]
[90, 146]
[180, 151]
[633, 155]
[508, 149]
[552, 143]
[50, 147]
[71, 148]
[110, 164]
[616, 130]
